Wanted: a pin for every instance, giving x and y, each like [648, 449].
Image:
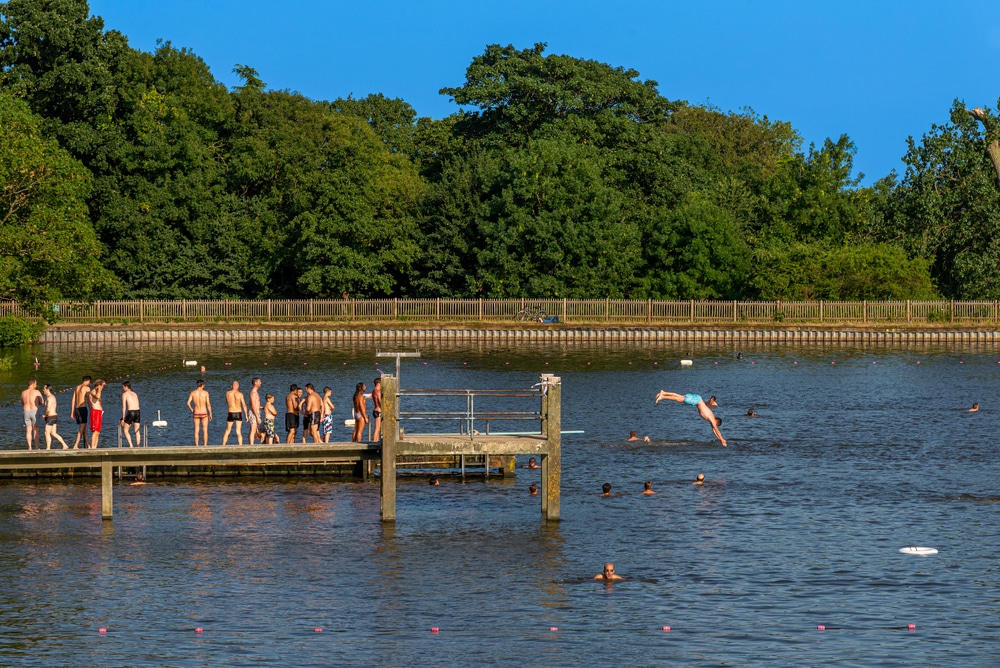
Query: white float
[687, 362]
[158, 422]
[190, 362]
[919, 551]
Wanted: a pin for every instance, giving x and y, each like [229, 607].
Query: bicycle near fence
[531, 314]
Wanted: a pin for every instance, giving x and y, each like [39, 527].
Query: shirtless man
[360, 413]
[80, 410]
[130, 413]
[703, 409]
[326, 428]
[292, 412]
[253, 415]
[377, 409]
[237, 407]
[314, 410]
[974, 409]
[31, 400]
[200, 406]
[647, 488]
[51, 419]
[699, 480]
[95, 410]
[608, 575]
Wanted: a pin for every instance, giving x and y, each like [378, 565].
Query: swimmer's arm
[718, 434]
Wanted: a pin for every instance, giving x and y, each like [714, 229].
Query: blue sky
[878, 71]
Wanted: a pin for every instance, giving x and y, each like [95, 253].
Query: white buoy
[349, 422]
[190, 362]
[686, 362]
[158, 422]
[919, 551]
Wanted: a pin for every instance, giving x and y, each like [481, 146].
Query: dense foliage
[133, 174]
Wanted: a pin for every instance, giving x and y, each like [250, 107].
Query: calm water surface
[855, 454]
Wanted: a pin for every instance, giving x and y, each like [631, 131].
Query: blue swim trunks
[692, 399]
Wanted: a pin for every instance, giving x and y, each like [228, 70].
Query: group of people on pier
[307, 414]
[41, 416]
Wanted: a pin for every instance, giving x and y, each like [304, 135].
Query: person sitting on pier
[703, 409]
[608, 574]
[532, 464]
[647, 488]
[200, 405]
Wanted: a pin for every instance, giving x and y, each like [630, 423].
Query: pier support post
[552, 459]
[107, 489]
[390, 435]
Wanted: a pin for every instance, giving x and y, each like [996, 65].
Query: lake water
[854, 454]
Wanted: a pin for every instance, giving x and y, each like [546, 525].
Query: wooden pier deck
[545, 446]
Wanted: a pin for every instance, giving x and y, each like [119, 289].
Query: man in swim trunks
[95, 410]
[326, 427]
[253, 415]
[292, 401]
[200, 405]
[377, 409]
[130, 413]
[237, 407]
[80, 410]
[608, 575]
[703, 409]
[314, 411]
[51, 419]
[270, 412]
[31, 400]
[360, 413]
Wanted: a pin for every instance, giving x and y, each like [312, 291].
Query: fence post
[310, 308]
[607, 309]
[736, 317]
[952, 306]
[864, 310]
[395, 308]
[354, 310]
[437, 309]
[649, 310]
[269, 310]
[98, 304]
[564, 310]
[908, 313]
[227, 309]
[140, 310]
[480, 309]
[691, 314]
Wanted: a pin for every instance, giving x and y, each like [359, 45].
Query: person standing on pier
[95, 410]
[253, 415]
[270, 413]
[51, 419]
[237, 406]
[200, 406]
[80, 410]
[327, 425]
[703, 409]
[360, 413]
[377, 409]
[292, 412]
[31, 400]
[313, 411]
[130, 413]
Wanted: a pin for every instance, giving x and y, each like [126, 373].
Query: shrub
[16, 331]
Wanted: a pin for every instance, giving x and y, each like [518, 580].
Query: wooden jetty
[545, 444]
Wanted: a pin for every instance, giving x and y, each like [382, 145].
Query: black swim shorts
[234, 417]
[131, 417]
[51, 420]
[291, 421]
[81, 414]
[376, 414]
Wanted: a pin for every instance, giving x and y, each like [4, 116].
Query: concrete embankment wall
[502, 336]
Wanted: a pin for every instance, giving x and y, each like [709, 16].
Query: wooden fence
[569, 311]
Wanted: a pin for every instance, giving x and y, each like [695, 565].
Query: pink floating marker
[666, 628]
[911, 627]
[506, 362]
[434, 629]
[553, 628]
[794, 362]
[655, 363]
[821, 628]
[198, 630]
[318, 630]
[102, 630]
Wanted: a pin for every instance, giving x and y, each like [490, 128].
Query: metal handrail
[467, 418]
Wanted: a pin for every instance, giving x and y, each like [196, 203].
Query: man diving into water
[703, 409]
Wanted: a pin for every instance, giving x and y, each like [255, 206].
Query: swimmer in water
[434, 482]
[700, 480]
[532, 464]
[139, 480]
[647, 488]
[533, 489]
[632, 436]
[974, 409]
[750, 413]
[606, 489]
[703, 409]
[608, 574]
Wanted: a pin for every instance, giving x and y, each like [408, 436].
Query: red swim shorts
[96, 418]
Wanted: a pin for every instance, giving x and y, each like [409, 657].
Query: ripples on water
[799, 524]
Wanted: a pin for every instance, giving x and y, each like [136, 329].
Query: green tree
[48, 249]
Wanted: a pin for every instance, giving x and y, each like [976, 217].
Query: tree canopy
[556, 177]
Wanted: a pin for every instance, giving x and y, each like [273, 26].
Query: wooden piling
[390, 437]
[552, 459]
[107, 490]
